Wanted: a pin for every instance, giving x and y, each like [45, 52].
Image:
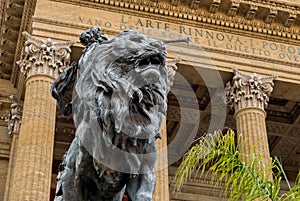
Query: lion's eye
[137, 40]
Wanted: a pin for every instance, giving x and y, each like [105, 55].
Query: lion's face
[139, 59]
[124, 82]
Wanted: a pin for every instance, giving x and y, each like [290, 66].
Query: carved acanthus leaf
[15, 116]
[249, 90]
[44, 56]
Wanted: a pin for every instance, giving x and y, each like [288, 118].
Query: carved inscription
[199, 36]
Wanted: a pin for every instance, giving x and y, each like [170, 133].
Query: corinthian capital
[249, 90]
[44, 56]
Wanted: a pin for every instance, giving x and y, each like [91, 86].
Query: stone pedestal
[41, 62]
[249, 96]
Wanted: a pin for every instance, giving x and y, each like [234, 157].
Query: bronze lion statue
[119, 96]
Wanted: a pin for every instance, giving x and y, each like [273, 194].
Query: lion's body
[119, 98]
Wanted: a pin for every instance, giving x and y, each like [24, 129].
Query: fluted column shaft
[161, 192]
[249, 95]
[31, 174]
[33, 164]
[251, 123]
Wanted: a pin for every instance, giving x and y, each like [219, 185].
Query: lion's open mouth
[154, 59]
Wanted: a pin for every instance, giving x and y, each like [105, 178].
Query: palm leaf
[219, 155]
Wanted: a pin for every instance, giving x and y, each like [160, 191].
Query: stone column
[161, 192]
[249, 95]
[162, 174]
[41, 62]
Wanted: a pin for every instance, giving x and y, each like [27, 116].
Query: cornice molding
[278, 3]
[224, 23]
[219, 19]
[28, 11]
[191, 17]
[10, 19]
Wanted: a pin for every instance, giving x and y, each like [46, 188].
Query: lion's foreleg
[66, 177]
[141, 187]
[69, 184]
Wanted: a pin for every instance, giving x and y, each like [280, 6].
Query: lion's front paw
[143, 197]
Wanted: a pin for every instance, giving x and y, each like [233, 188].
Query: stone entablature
[199, 11]
[44, 56]
[247, 91]
[252, 16]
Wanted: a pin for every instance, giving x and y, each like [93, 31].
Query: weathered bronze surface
[120, 88]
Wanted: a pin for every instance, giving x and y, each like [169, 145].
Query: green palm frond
[294, 193]
[219, 155]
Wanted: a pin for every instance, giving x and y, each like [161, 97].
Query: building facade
[247, 52]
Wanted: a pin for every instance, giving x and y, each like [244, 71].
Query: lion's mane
[107, 83]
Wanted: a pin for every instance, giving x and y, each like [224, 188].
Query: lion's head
[122, 83]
